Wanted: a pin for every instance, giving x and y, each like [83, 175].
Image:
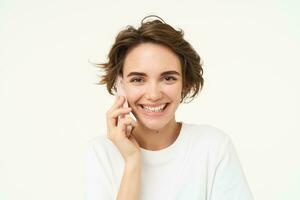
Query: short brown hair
[158, 32]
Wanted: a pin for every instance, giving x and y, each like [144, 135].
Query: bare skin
[128, 147]
[152, 81]
[152, 76]
[116, 130]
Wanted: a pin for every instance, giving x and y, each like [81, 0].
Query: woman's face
[152, 81]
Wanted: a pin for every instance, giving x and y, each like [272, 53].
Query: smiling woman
[160, 158]
[157, 94]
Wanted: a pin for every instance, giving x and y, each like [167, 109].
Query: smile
[158, 108]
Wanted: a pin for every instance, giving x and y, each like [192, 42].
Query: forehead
[151, 58]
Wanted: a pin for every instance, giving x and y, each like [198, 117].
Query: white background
[50, 105]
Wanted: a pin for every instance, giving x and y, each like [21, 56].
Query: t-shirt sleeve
[97, 185]
[230, 182]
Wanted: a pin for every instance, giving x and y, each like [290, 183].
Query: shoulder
[99, 141]
[206, 135]
[209, 142]
[101, 145]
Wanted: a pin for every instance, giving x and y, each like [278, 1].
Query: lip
[152, 105]
[153, 113]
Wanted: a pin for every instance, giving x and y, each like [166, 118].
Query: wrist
[133, 162]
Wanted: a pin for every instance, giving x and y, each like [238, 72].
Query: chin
[154, 125]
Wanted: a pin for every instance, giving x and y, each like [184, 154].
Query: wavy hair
[158, 32]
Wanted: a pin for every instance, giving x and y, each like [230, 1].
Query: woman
[159, 158]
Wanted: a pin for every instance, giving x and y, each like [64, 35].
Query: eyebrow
[162, 74]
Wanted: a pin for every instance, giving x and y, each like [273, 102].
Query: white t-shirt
[201, 164]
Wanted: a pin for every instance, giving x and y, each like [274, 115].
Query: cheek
[173, 91]
[133, 94]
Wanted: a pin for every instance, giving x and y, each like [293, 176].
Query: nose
[153, 92]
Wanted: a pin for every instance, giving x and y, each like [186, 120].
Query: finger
[120, 100]
[112, 118]
[128, 120]
[122, 127]
[130, 125]
[119, 111]
[126, 124]
[116, 104]
[131, 120]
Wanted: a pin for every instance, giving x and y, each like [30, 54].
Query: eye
[170, 78]
[136, 80]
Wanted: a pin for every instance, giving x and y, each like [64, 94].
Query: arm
[130, 184]
[98, 166]
[98, 185]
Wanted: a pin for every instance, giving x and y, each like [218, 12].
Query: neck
[157, 139]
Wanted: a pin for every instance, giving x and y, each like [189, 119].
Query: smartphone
[120, 92]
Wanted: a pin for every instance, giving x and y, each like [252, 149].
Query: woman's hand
[116, 130]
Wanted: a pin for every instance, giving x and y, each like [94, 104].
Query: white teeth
[154, 109]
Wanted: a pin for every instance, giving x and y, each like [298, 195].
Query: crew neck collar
[165, 154]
